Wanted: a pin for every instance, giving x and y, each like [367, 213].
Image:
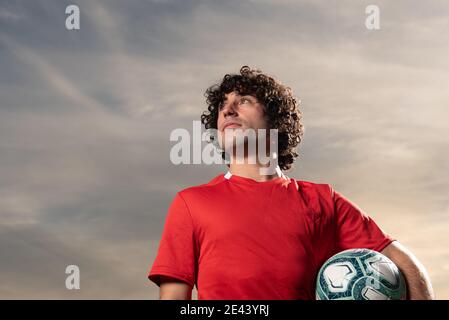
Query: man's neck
[253, 171]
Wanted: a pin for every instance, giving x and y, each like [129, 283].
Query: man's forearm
[418, 282]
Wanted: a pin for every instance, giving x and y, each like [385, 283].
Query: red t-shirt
[240, 239]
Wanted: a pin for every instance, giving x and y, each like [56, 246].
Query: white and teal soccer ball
[360, 274]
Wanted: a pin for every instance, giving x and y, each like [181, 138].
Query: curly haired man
[247, 235]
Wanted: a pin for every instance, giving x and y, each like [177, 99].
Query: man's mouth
[231, 125]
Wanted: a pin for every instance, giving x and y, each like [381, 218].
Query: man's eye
[243, 100]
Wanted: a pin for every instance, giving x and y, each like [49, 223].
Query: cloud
[85, 119]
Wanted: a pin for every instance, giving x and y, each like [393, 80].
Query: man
[248, 235]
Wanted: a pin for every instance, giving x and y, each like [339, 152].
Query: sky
[86, 116]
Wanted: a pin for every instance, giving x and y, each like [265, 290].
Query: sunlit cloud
[85, 119]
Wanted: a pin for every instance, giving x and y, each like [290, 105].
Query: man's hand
[416, 277]
[172, 289]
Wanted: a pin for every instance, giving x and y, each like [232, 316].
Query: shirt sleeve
[177, 252]
[355, 229]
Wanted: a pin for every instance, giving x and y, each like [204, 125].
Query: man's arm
[172, 289]
[416, 277]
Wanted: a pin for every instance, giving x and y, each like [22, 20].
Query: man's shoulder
[311, 188]
[317, 196]
[213, 184]
[320, 187]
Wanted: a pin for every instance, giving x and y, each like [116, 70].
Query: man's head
[254, 100]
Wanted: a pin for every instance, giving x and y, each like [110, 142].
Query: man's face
[240, 112]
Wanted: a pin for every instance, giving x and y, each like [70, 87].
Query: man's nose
[230, 109]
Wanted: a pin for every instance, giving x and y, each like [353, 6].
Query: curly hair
[280, 107]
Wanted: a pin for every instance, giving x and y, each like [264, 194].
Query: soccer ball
[360, 274]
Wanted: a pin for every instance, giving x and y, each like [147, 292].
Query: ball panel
[338, 275]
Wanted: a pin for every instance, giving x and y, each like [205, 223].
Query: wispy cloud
[85, 118]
